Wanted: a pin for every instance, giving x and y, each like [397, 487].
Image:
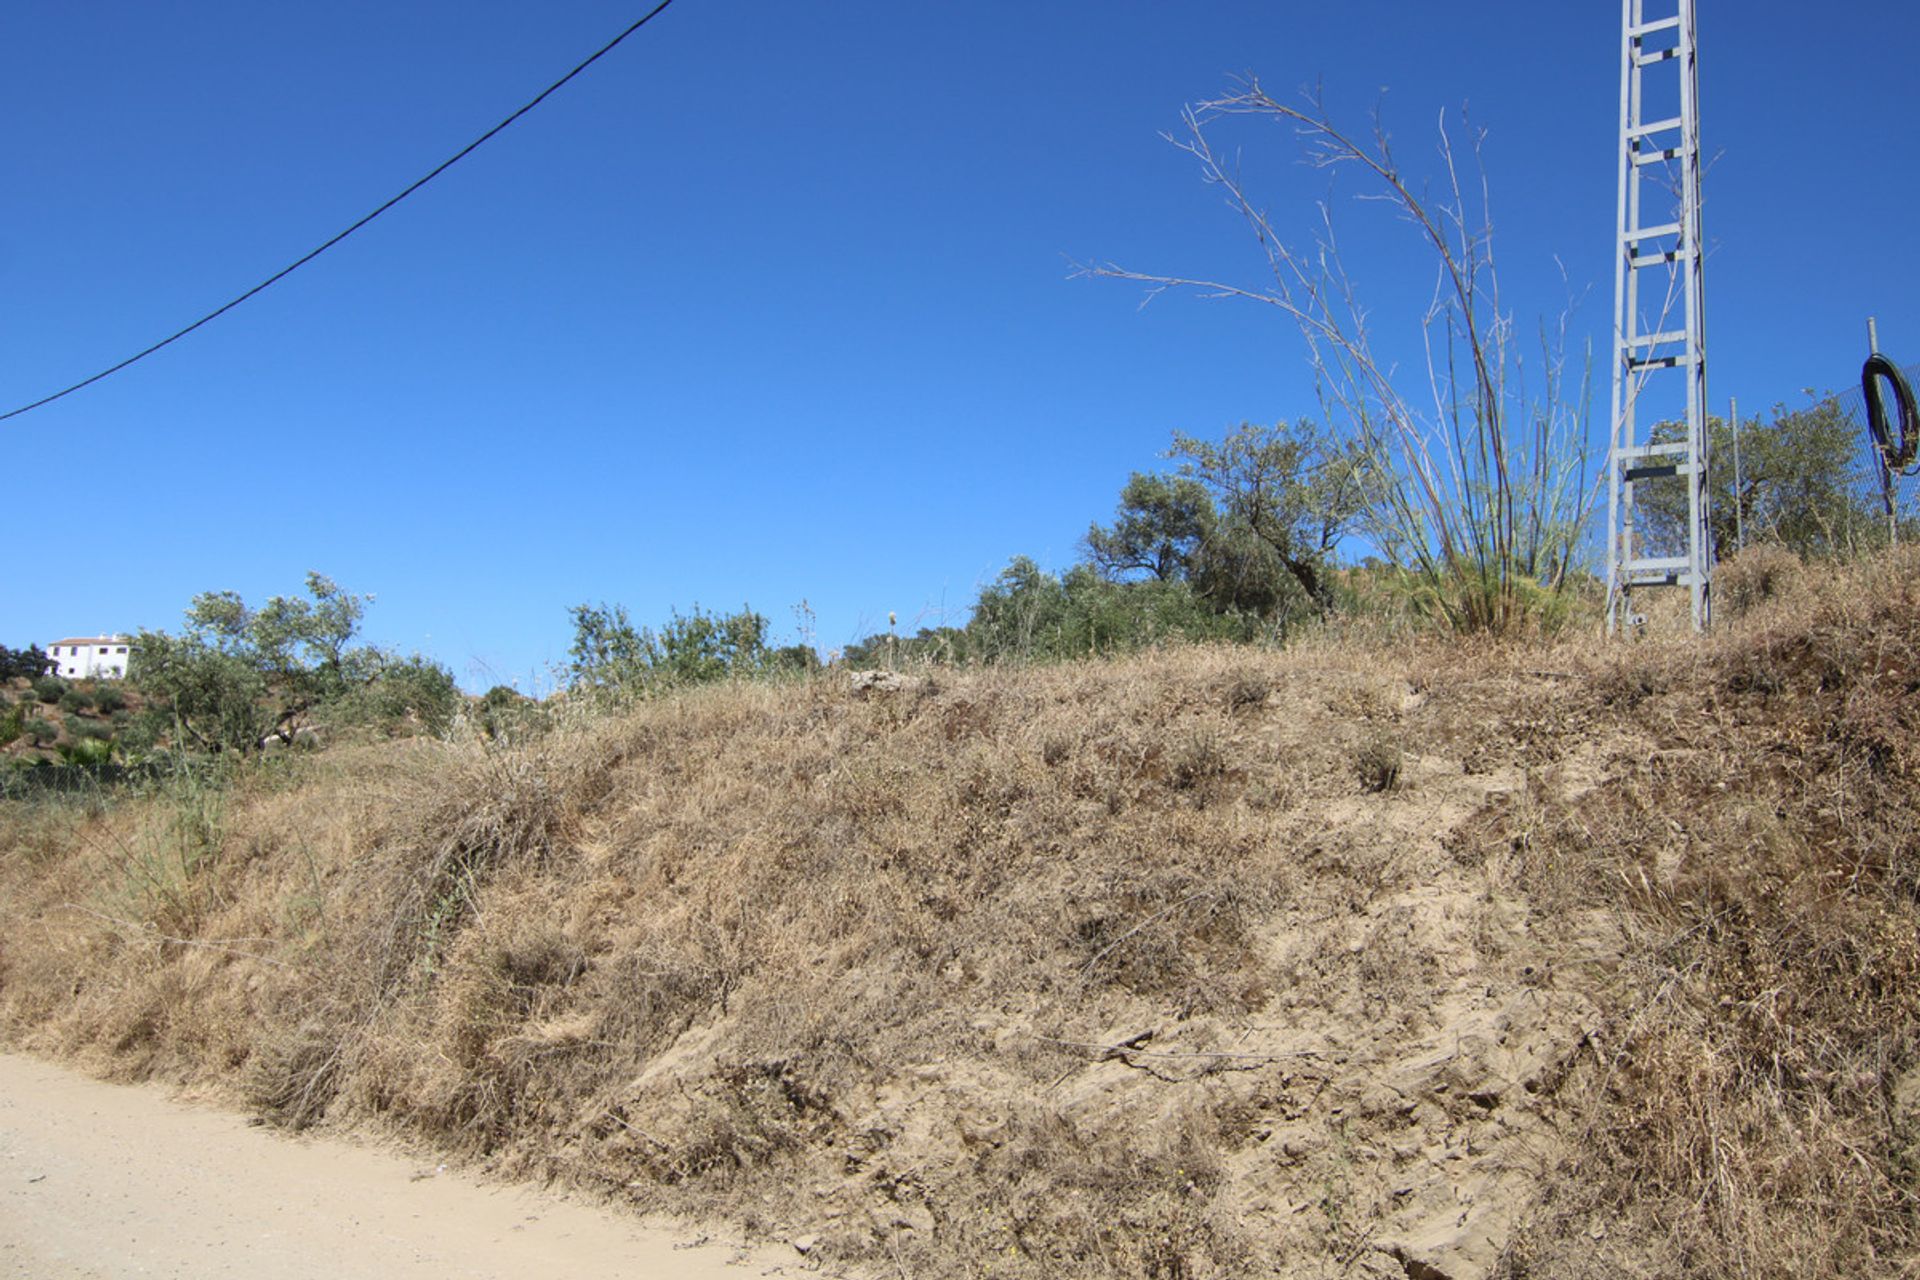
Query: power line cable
[302, 261]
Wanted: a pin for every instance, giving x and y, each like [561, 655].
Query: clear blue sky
[773, 304]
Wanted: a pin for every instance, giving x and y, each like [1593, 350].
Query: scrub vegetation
[1384, 953]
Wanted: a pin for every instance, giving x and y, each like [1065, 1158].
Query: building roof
[91, 640]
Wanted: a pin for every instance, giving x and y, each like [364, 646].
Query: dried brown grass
[1756, 1111]
[1409, 958]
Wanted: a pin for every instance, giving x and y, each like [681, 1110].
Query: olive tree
[1805, 482]
[1251, 521]
[238, 677]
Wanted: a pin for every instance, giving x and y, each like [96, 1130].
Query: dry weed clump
[1606, 965]
[1763, 852]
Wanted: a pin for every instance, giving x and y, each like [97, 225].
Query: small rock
[805, 1244]
[868, 683]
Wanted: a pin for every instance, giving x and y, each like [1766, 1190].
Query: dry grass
[1397, 958]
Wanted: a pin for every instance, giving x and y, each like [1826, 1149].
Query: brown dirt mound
[1429, 960]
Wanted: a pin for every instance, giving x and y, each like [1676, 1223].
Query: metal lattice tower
[1659, 309]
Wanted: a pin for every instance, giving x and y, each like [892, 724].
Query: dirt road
[101, 1182]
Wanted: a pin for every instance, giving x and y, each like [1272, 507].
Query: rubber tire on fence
[1876, 368]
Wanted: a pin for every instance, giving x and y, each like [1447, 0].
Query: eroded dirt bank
[1408, 959]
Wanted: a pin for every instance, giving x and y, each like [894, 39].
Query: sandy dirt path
[102, 1182]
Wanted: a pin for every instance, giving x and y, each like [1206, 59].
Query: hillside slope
[1361, 959]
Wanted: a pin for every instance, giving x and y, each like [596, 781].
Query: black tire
[1878, 367]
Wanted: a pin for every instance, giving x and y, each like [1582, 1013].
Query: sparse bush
[1756, 575]
[76, 698]
[109, 698]
[167, 872]
[40, 731]
[79, 727]
[49, 689]
[504, 712]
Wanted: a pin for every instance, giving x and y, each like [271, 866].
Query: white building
[90, 657]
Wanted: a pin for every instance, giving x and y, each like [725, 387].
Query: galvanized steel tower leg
[1666, 252]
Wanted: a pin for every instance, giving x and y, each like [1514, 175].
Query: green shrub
[610, 653]
[108, 699]
[41, 731]
[79, 727]
[49, 689]
[90, 753]
[1027, 614]
[76, 699]
[404, 692]
[141, 732]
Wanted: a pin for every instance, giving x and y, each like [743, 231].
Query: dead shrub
[495, 982]
[1045, 1197]
[1762, 572]
[1199, 763]
[743, 1117]
[292, 1074]
[498, 808]
[1377, 762]
[1192, 949]
[1245, 691]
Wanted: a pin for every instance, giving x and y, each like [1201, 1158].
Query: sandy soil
[99, 1181]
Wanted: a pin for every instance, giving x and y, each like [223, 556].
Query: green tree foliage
[238, 676]
[1161, 526]
[1251, 523]
[410, 691]
[218, 700]
[504, 712]
[1028, 614]
[29, 663]
[940, 645]
[1288, 489]
[1805, 482]
[609, 653]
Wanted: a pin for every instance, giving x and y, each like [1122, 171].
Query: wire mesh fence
[1892, 488]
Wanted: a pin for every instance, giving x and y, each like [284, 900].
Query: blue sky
[773, 304]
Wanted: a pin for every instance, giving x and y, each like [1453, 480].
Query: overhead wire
[305, 258]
